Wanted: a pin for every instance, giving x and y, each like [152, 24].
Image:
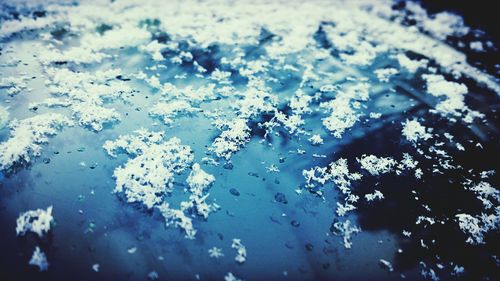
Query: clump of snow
[37, 221]
[376, 195]
[337, 171]
[14, 84]
[168, 110]
[241, 254]
[345, 230]
[86, 94]
[489, 196]
[343, 209]
[50, 102]
[315, 140]
[199, 181]
[221, 76]
[39, 259]
[79, 55]
[443, 24]
[234, 135]
[10, 27]
[425, 219]
[27, 136]
[411, 65]
[352, 48]
[384, 74]
[256, 100]
[148, 176]
[4, 117]
[291, 122]
[154, 48]
[476, 227]
[178, 218]
[300, 102]
[344, 109]
[94, 116]
[413, 131]
[189, 94]
[377, 165]
[125, 36]
[453, 93]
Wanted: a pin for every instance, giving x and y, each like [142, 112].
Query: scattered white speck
[95, 267]
[387, 265]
